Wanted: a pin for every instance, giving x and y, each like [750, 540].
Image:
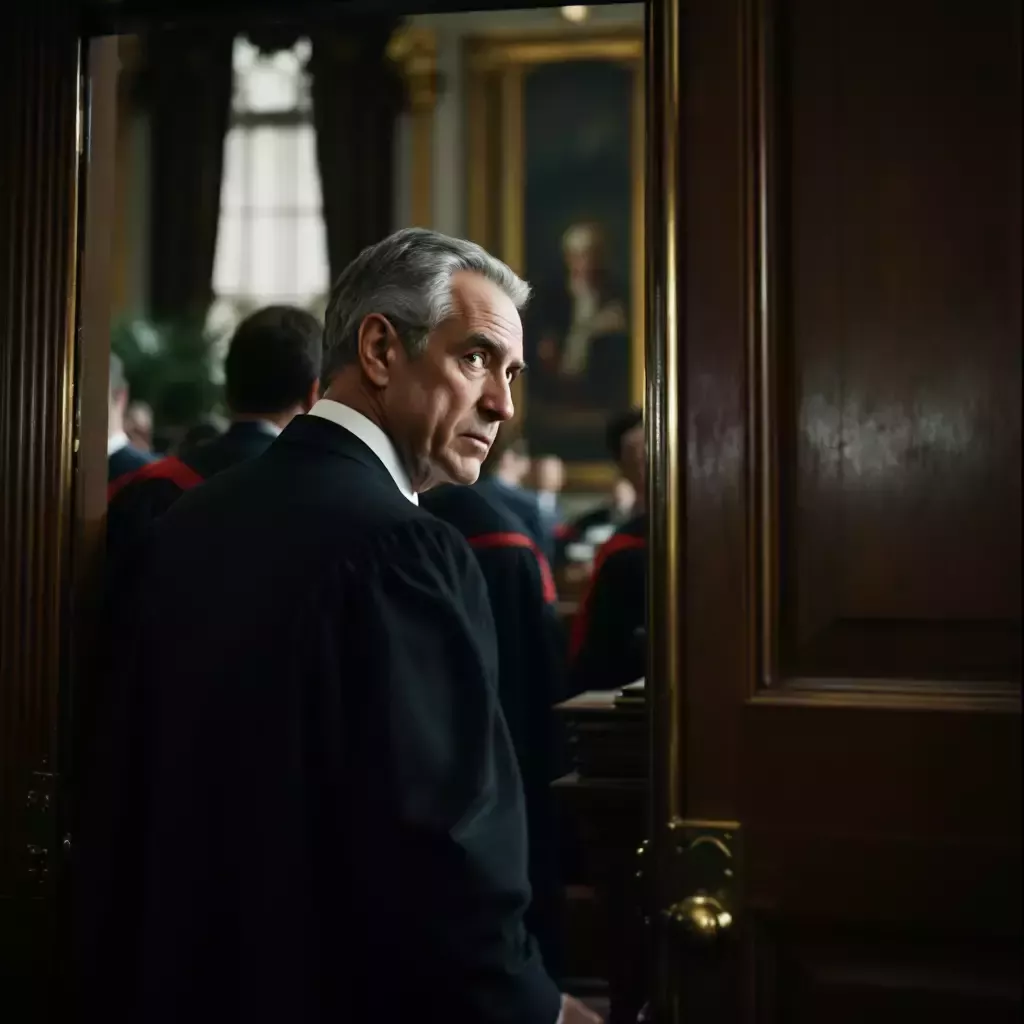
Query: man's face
[582, 262]
[633, 459]
[444, 405]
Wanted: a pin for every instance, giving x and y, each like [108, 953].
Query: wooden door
[836, 424]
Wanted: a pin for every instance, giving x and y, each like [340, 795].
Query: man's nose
[497, 400]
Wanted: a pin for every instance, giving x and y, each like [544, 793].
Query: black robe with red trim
[303, 802]
[576, 530]
[125, 461]
[607, 646]
[137, 499]
[522, 596]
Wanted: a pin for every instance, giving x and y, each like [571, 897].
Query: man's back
[139, 498]
[125, 460]
[608, 646]
[331, 810]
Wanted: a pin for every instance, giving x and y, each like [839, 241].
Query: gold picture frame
[495, 67]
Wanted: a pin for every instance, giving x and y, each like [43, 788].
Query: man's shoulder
[339, 506]
[627, 547]
[473, 512]
[521, 503]
[635, 529]
[227, 451]
[126, 460]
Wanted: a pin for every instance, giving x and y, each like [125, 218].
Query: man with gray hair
[315, 778]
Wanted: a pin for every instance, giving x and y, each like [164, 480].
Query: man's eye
[478, 356]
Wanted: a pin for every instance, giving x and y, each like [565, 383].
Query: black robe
[304, 804]
[607, 648]
[522, 595]
[524, 506]
[137, 499]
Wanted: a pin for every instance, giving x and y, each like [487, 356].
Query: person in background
[303, 749]
[209, 428]
[521, 590]
[138, 425]
[549, 478]
[607, 644]
[502, 479]
[123, 457]
[624, 438]
[271, 374]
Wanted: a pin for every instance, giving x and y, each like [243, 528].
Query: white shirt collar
[372, 436]
[115, 442]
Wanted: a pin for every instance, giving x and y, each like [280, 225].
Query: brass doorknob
[701, 918]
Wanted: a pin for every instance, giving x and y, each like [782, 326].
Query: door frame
[82, 369]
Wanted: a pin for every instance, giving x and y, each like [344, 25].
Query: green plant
[174, 367]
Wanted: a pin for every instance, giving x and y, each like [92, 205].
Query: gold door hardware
[699, 867]
[701, 918]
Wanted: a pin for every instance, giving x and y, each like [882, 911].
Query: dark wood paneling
[851, 481]
[38, 181]
[846, 977]
[897, 263]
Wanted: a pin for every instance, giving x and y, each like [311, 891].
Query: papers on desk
[577, 551]
[597, 535]
[632, 693]
[602, 700]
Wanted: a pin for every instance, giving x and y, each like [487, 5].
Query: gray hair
[407, 279]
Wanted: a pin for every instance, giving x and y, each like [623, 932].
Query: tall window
[271, 241]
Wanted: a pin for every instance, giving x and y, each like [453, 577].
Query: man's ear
[313, 397]
[377, 341]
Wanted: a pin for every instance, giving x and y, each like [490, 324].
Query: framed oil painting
[555, 148]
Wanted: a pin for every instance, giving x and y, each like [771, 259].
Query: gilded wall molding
[413, 49]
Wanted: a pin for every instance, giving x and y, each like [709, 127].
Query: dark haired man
[272, 374]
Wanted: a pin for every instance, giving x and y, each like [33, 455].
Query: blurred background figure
[138, 425]
[272, 374]
[122, 456]
[608, 645]
[502, 481]
[209, 428]
[549, 479]
[578, 539]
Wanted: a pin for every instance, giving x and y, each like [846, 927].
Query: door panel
[810, 978]
[847, 628]
[894, 141]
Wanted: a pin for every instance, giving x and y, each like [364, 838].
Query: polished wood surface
[896, 334]
[610, 819]
[38, 215]
[851, 398]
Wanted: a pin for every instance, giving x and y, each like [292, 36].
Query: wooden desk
[606, 797]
